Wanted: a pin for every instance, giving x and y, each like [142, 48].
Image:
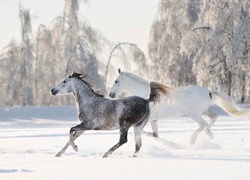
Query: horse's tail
[158, 90]
[226, 103]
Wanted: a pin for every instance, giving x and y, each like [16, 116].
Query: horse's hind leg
[154, 126]
[213, 118]
[123, 139]
[202, 124]
[137, 133]
[75, 136]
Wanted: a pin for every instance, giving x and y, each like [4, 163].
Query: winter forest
[203, 42]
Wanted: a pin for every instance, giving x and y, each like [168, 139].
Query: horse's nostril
[112, 95]
[53, 91]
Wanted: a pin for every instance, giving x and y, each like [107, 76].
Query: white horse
[190, 100]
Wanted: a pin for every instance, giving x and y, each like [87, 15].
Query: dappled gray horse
[98, 113]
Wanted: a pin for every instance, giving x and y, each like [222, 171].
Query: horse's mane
[81, 77]
[133, 76]
[165, 90]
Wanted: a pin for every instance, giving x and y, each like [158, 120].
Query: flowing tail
[158, 90]
[226, 103]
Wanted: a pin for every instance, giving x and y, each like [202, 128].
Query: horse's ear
[119, 71]
[72, 74]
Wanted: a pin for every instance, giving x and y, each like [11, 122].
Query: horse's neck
[82, 93]
[139, 88]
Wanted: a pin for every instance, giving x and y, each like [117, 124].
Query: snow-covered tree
[80, 44]
[29, 69]
[128, 57]
[25, 72]
[9, 64]
[203, 42]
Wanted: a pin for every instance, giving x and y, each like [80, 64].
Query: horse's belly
[132, 109]
[104, 124]
[166, 111]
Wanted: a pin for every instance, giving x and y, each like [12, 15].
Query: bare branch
[111, 54]
[202, 27]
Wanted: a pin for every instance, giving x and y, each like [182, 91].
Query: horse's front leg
[74, 133]
[75, 136]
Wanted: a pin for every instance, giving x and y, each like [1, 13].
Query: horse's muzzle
[112, 95]
[53, 92]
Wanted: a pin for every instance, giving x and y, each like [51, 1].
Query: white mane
[172, 93]
[135, 77]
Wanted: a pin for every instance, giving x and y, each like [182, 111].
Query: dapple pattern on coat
[96, 112]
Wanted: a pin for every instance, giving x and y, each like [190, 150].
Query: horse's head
[64, 87]
[118, 86]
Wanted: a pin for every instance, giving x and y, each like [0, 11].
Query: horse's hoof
[75, 148]
[210, 135]
[155, 134]
[105, 156]
[192, 141]
[58, 155]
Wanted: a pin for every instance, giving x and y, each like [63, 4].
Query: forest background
[203, 42]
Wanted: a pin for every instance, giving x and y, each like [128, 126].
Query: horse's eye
[116, 81]
[64, 81]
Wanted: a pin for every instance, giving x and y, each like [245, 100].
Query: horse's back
[195, 98]
[186, 100]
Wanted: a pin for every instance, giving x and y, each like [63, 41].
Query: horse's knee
[72, 131]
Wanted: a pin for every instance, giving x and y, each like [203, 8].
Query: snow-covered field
[31, 136]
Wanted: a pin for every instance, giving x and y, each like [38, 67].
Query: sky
[117, 20]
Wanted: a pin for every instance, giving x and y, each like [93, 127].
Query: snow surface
[31, 136]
